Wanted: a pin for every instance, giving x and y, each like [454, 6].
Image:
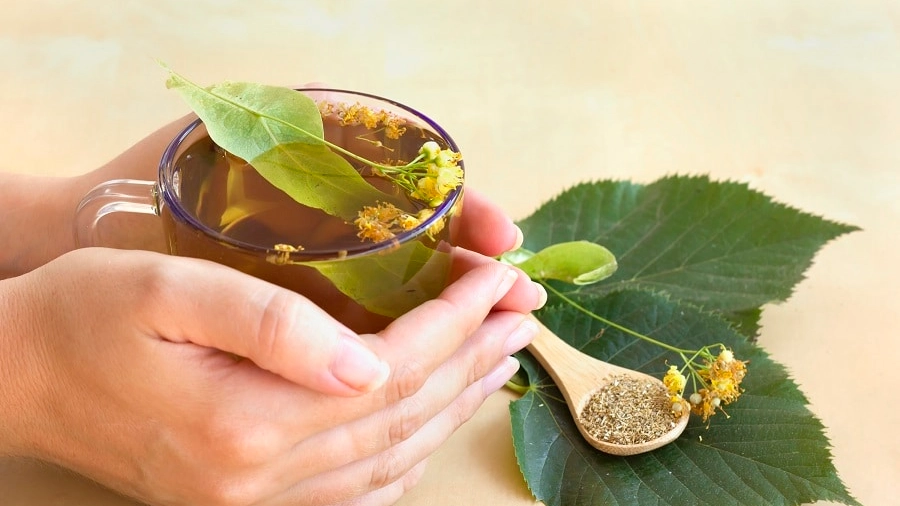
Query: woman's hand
[123, 366]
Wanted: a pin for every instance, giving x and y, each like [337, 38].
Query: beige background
[799, 99]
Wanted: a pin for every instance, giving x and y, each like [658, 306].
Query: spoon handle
[575, 373]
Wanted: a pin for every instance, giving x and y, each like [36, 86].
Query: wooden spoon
[579, 375]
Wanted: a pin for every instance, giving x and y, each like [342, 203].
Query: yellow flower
[358, 114]
[721, 378]
[704, 403]
[674, 381]
[448, 178]
[384, 221]
[427, 191]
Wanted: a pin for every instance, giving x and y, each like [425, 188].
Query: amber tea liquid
[229, 198]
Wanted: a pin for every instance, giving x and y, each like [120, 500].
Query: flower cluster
[384, 221]
[718, 378]
[441, 174]
[429, 177]
[358, 114]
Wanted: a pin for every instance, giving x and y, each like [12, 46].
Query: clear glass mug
[216, 207]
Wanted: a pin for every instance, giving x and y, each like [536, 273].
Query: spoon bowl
[578, 376]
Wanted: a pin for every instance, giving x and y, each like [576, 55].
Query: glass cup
[216, 207]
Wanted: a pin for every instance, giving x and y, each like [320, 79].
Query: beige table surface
[799, 99]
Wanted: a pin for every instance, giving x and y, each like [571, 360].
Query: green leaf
[279, 131]
[577, 262]
[746, 322]
[771, 451]
[390, 282]
[249, 119]
[322, 178]
[718, 244]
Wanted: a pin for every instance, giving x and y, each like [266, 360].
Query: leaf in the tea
[327, 181]
[249, 119]
[576, 262]
[770, 450]
[391, 283]
[718, 244]
[279, 131]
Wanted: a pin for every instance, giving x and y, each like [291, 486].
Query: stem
[340, 149]
[615, 325]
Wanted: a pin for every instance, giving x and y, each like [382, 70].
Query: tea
[238, 215]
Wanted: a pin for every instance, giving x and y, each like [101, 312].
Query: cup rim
[166, 185]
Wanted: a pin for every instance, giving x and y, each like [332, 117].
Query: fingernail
[520, 238]
[358, 367]
[520, 338]
[495, 379]
[542, 295]
[509, 278]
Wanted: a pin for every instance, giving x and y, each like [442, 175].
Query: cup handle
[117, 195]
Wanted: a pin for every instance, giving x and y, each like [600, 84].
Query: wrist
[37, 221]
[22, 378]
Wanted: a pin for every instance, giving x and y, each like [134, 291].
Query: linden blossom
[356, 114]
[429, 178]
[716, 381]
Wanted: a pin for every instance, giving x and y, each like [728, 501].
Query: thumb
[279, 330]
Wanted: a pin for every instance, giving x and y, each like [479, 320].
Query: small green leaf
[390, 282]
[771, 451]
[577, 262]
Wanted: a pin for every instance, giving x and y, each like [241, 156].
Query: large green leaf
[771, 451]
[718, 244]
[249, 119]
[280, 133]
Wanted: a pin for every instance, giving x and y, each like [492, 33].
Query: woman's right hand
[122, 365]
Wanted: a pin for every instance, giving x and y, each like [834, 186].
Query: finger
[279, 330]
[392, 493]
[484, 227]
[417, 343]
[524, 296]
[501, 335]
[385, 468]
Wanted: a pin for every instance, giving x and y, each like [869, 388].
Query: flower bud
[430, 150]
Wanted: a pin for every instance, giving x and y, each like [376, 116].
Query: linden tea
[228, 197]
[216, 206]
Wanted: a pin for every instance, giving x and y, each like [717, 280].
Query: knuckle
[407, 378]
[241, 446]
[156, 281]
[465, 408]
[411, 415]
[230, 492]
[389, 466]
[278, 318]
